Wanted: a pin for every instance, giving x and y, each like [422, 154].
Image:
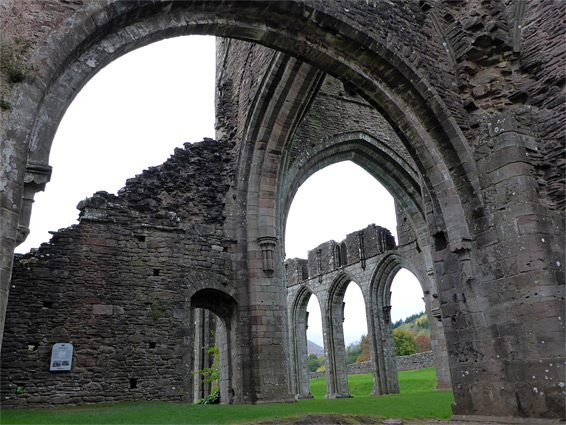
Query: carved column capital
[387, 313]
[35, 179]
[267, 245]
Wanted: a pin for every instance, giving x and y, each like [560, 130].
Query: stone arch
[233, 387]
[334, 347]
[380, 296]
[396, 174]
[100, 33]
[444, 160]
[300, 382]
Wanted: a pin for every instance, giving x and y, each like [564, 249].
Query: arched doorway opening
[303, 302]
[215, 330]
[315, 336]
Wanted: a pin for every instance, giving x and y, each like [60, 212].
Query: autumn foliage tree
[364, 345]
[423, 343]
[404, 342]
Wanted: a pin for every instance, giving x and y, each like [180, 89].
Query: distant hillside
[417, 324]
[314, 348]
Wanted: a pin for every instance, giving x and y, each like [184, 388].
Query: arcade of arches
[455, 107]
[371, 259]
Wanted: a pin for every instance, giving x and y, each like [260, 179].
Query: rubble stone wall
[412, 362]
[117, 287]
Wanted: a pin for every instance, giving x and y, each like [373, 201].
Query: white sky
[133, 114]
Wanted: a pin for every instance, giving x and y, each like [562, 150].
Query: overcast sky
[133, 114]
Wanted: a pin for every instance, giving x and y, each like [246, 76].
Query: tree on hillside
[409, 319]
[404, 343]
[314, 362]
[423, 343]
[422, 321]
[364, 345]
[353, 351]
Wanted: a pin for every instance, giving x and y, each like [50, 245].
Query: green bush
[405, 343]
[314, 363]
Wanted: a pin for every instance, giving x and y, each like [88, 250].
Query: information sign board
[61, 357]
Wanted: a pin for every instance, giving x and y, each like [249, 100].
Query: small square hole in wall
[32, 346]
[133, 383]
[152, 344]
[47, 304]
[156, 272]
[141, 238]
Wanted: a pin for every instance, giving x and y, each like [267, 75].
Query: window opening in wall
[47, 304]
[132, 138]
[152, 345]
[337, 256]
[156, 272]
[133, 383]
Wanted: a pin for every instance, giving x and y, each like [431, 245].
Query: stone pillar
[224, 340]
[334, 351]
[268, 320]
[300, 379]
[437, 340]
[502, 298]
[385, 378]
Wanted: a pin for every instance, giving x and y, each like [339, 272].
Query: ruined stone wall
[493, 184]
[336, 110]
[240, 68]
[411, 362]
[117, 286]
[510, 56]
[372, 241]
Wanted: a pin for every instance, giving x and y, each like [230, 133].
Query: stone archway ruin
[472, 94]
[373, 261]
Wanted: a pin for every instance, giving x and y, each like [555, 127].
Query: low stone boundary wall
[415, 361]
[412, 362]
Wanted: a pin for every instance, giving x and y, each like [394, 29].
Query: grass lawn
[416, 400]
[410, 381]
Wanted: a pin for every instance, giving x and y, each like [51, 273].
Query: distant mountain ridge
[314, 348]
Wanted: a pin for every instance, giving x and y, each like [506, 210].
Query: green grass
[410, 381]
[416, 400]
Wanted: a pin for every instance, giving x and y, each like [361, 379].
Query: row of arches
[375, 283]
[375, 60]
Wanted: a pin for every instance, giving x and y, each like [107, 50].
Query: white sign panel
[61, 357]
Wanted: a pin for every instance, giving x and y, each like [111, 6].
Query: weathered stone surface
[472, 91]
[370, 259]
